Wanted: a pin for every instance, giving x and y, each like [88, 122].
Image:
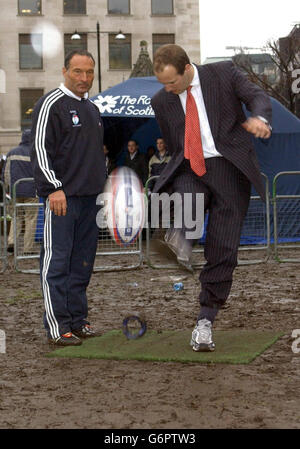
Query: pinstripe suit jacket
[224, 90]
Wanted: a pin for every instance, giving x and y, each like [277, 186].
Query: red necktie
[192, 141]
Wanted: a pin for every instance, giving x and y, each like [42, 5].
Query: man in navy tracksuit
[69, 170]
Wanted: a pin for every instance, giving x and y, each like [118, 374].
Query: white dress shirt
[208, 144]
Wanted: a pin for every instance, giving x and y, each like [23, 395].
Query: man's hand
[257, 127]
[58, 202]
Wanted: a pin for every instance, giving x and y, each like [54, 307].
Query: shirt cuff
[265, 121]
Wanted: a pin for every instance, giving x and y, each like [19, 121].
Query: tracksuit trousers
[67, 259]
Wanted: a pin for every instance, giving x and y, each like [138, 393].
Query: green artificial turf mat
[232, 346]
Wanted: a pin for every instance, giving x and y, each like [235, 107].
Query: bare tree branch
[285, 57]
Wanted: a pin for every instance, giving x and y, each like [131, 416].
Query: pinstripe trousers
[226, 198]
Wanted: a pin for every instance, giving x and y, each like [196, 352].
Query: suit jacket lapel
[210, 89]
[175, 104]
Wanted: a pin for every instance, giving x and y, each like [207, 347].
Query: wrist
[263, 119]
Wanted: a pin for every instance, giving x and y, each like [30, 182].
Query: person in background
[110, 163]
[136, 161]
[158, 161]
[17, 166]
[150, 152]
[2, 162]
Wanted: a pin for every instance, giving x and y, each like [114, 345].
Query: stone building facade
[153, 21]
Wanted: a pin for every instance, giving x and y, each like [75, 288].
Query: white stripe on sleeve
[40, 137]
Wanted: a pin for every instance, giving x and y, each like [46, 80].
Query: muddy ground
[40, 393]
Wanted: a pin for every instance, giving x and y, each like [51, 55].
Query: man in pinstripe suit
[218, 91]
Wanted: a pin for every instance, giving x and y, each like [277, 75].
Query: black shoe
[86, 331]
[68, 339]
[10, 249]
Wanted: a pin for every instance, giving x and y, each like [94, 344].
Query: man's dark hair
[132, 140]
[77, 52]
[170, 54]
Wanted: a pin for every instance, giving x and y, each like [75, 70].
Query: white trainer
[202, 337]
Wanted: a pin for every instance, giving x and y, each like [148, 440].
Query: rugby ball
[124, 205]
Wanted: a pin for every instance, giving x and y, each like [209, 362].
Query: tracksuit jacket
[67, 151]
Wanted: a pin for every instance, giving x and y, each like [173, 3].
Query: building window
[162, 7]
[28, 99]
[74, 44]
[118, 7]
[161, 39]
[74, 6]
[28, 58]
[120, 52]
[29, 7]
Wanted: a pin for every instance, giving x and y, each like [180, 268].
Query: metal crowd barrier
[255, 246]
[286, 217]
[27, 242]
[3, 229]
[112, 257]
[28, 223]
[255, 239]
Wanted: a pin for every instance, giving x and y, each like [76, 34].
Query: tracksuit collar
[71, 94]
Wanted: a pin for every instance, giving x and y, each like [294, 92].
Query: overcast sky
[243, 23]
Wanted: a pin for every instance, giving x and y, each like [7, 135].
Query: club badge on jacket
[75, 119]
